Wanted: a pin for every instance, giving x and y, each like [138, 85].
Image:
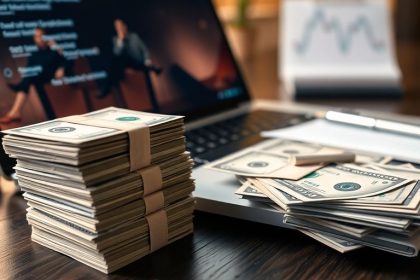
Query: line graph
[343, 35]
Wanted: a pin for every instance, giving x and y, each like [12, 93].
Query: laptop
[162, 56]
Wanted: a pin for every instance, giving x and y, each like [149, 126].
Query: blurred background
[252, 27]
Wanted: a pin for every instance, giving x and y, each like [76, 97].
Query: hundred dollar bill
[256, 163]
[339, 181]
[410, 208]
[397, 196]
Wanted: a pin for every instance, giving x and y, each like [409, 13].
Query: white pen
[309, 159]
[373, 123]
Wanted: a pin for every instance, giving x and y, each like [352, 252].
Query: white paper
[331, 43]
[321, 131]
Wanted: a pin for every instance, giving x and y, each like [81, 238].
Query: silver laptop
[163, 56]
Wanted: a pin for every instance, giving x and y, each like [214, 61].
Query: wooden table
[224, 248]
[221, 248]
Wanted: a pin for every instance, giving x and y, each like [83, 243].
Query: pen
[373, 123]
[340, 157]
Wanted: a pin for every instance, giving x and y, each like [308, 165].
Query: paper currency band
[138, 135]
[153, 202]
[152, 179]
[158, 229]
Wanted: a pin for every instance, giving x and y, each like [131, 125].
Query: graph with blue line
[343, 34]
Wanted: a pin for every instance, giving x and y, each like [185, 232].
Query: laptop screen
[65, 57]
[74, 56]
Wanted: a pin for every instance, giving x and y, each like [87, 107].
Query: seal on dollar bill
[347, 186]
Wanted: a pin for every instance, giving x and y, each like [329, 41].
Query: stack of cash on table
[105, 188]
[371, 201]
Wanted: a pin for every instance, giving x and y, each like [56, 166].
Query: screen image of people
[48, 63]
[59, 58]
[130, 53]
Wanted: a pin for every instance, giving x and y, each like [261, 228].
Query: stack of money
[105, 188]
[369, 202]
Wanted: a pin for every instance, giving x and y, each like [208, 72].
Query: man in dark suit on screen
[130, 53]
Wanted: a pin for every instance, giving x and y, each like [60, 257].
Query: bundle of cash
[105, 188]
[372, 201]
[101, 138]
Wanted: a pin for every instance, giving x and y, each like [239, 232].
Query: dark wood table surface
[224, 248]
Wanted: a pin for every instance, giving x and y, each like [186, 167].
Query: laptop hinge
[240, 109]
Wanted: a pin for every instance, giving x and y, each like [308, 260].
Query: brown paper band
[158, 229]
[152, 179]
[138, 135]
[153, 202]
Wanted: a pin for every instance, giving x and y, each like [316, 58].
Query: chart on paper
[337, 32]
[343, 35]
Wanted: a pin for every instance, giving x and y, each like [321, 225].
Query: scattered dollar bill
[257, 163]
[373, 202]
[280, 198]
[339, 181]
[397, 196]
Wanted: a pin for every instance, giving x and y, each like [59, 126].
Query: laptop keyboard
[221, 138]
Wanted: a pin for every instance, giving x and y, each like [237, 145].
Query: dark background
[182, 37]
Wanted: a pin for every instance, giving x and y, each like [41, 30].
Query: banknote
[409, 208]
[352, 217]
[67, 132]
[255, 163]
[248, 190]
[289, 148]
[407, 166]
[339, 181]
[280, 198]
[124, 115]
[387, 241]
[371, 158]
[402, 170]
[352, 229]
[340, 245]
[397, 196]
[64, 132]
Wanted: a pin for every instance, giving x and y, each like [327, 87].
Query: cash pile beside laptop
[105, 188]
[371, 201]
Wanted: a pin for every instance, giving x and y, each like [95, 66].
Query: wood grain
[221, 248]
